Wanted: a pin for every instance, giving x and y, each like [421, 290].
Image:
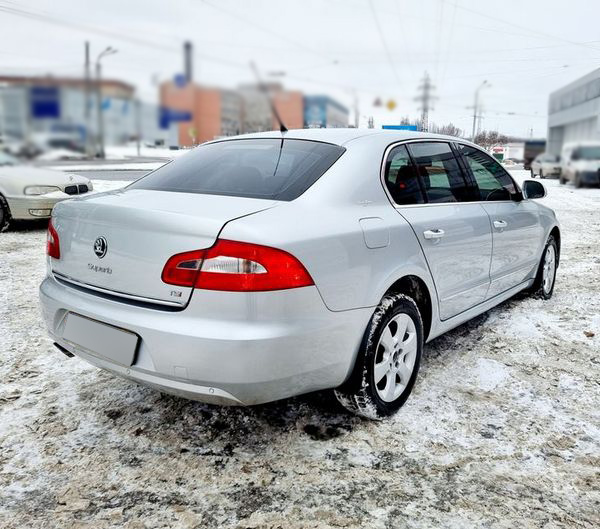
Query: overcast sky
[525, 49]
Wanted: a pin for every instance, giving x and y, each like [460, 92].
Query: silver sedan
[269, 265]
[30, 193]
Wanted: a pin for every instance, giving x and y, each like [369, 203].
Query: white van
[580, 163]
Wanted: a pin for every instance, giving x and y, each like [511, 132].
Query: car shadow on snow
[124, 406]
[27, 225]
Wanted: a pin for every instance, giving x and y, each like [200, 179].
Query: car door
[432, 194]
[517, 234]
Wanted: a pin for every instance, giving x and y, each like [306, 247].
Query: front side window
[401, 178]
[493, 181]
[440, 173]
[269, 168]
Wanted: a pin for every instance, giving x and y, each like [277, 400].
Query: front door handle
[433, 234]
[500, 224]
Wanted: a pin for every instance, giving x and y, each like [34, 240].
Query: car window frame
[516, 197]
[466, 176]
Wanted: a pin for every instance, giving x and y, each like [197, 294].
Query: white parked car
[30, 193]
[545, 165]
[264, 266]
[580, 164]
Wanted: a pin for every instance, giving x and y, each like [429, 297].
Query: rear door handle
[500, 224]
[433, 234]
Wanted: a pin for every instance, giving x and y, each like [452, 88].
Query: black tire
[542, 174]
[577, 181]
[532, 173]
[562, 180]
[360, 394]
[5, 217]
[538, 288]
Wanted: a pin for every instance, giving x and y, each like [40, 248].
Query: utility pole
[138, 124]
[107, 51]
[187, 61]
[356, 110]
[476, 107]
[425, 98]
[87, 112]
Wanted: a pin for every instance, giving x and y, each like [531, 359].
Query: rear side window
[275, 169]
[401, 178]
[440, 173]
[493, 181]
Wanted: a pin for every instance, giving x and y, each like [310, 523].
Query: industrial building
[31, 107]
[574, 113]
[324, 112]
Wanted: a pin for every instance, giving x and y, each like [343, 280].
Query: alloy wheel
[395, 357]
[549, 269]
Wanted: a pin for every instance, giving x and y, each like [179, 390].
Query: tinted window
[258, 168]
[440, 173]
[493, 181]
[401, 178]
[587, 153]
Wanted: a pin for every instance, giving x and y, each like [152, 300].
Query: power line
[113, 34]
[265, 29]
[384, 43]
[529, 30]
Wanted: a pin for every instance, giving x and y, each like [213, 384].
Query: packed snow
[502, 429]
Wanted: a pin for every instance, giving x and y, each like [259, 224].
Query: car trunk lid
[119, 242]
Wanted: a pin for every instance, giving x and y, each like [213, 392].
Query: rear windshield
[275, 169]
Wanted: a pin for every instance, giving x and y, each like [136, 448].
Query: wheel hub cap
[395, 357]
[549, 269]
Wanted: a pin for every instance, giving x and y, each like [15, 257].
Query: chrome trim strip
[115, 293]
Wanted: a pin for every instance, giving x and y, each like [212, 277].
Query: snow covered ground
[502, 430]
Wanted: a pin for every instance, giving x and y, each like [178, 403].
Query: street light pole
[107, 51]
[476, 107]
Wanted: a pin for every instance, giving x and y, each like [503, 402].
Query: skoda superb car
[30, 193]
[269, 265]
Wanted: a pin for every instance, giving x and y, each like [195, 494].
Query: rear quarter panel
[323, 229]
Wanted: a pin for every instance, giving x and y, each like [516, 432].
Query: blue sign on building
[167, 115]
[45, 102]
[399, 127]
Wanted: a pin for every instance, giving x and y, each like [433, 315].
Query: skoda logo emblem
[100, 247]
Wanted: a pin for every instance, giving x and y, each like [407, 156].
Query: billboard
[44, 102]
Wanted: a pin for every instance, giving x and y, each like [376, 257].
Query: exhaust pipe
[63, 350]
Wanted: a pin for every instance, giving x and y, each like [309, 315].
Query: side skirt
[444, 326]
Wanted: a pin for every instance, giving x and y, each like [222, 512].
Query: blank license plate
[101, 339]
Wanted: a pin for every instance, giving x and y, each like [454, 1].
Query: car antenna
[265, 90]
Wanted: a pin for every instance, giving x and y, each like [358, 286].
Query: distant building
[218, 112]
[574, 112]
[31, 106]
[257, 114]
[215, 112]
[324, 112]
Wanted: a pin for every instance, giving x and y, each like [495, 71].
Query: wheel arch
[416, 288]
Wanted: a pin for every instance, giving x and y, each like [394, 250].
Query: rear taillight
[238, 267]
[52, 242]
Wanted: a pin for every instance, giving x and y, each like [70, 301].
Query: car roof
[342, 136]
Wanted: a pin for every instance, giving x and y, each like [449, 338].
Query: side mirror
[533, 189]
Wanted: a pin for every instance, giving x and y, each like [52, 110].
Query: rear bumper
[225, 347]
[551, 171]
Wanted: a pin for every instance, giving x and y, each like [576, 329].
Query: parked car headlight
[40, 190]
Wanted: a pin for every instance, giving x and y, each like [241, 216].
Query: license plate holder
[101, 339]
